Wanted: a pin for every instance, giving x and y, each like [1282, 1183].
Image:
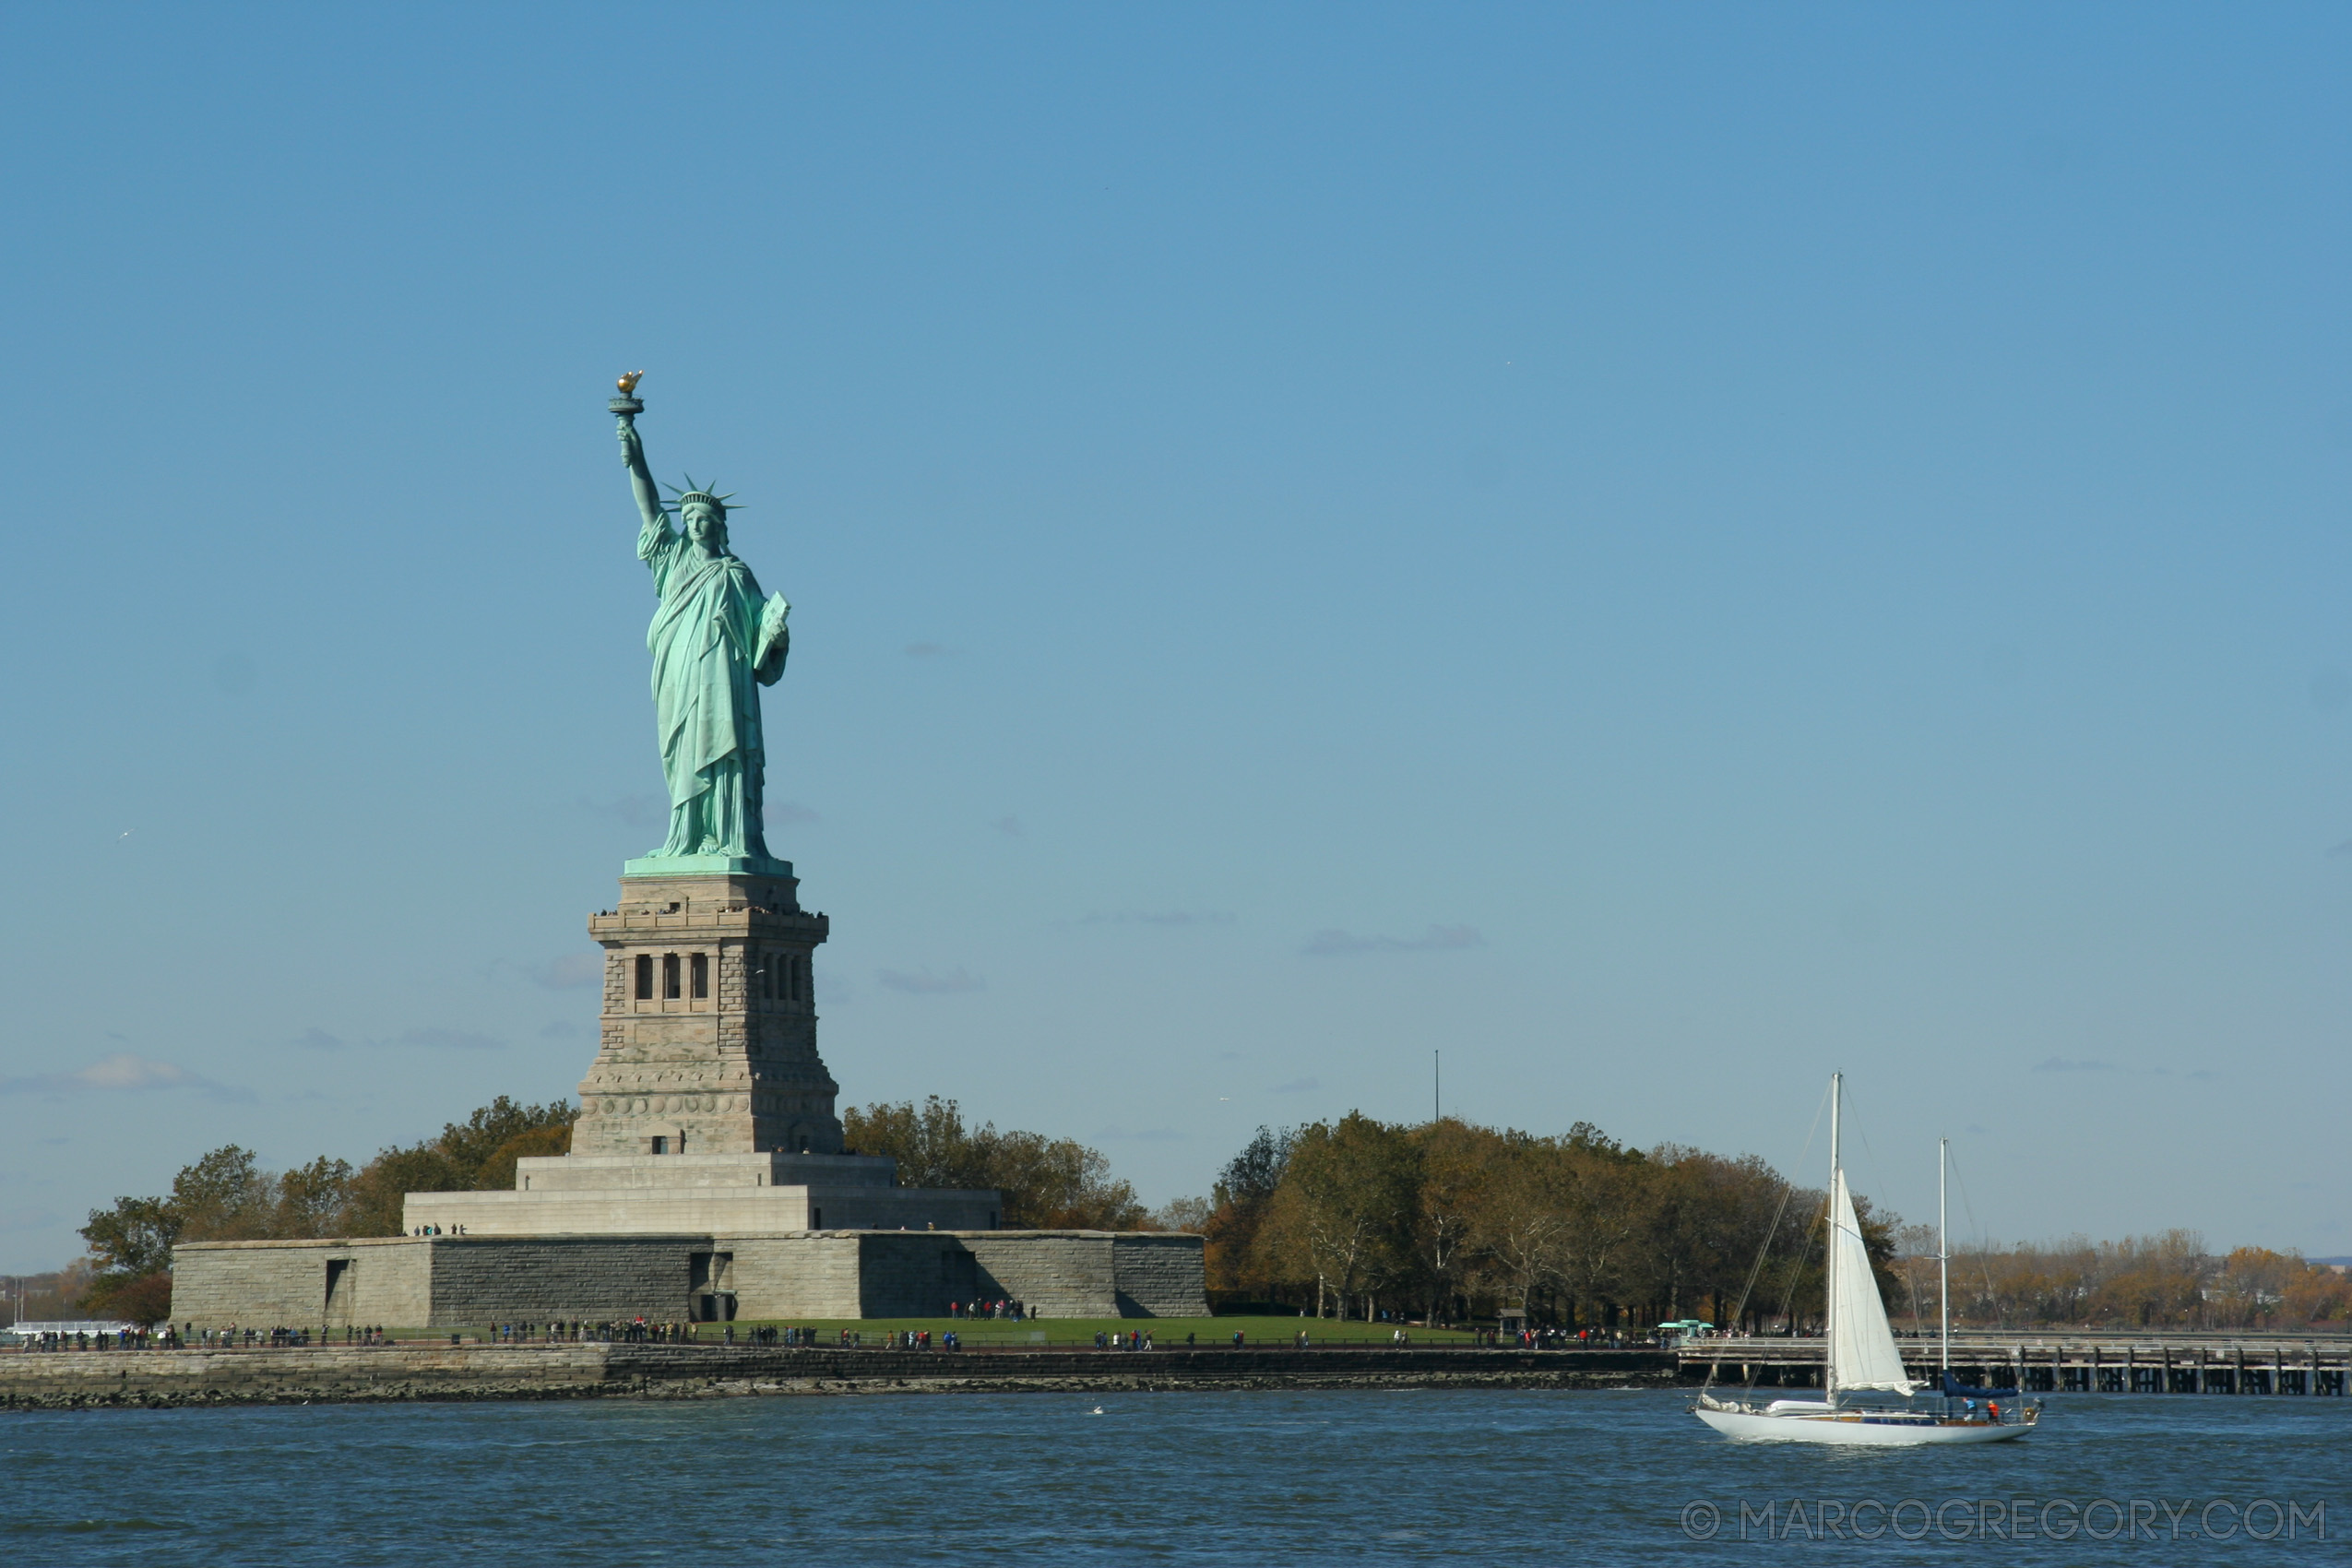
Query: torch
[628, 404]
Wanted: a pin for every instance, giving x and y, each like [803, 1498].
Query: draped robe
[715, 642]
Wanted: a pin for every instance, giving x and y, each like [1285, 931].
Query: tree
[1523, 1214]
[147, 1300]
[1190, 1216]
[1453, 1160]
[497, 1172]
[1237, 1203]
[314, 1200]
[379, 1193]
[224, 1196]
[1057, 1185]
[1346, 1202]
[475, 1154]
[1044, 1184]
[471, 1145]
[131, 1241]
[1608, 1195]
[1709, 1222]
[930, 1142]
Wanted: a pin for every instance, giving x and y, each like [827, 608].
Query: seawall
[165, 1379]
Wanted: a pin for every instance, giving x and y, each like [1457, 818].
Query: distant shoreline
[337, 1374]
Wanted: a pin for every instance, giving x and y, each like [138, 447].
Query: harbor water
[1257, 1478]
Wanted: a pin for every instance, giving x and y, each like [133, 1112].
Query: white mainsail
[1861, 1347]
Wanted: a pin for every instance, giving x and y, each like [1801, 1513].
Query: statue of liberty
[715, 642]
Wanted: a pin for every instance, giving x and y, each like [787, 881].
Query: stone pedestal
[708, 1044]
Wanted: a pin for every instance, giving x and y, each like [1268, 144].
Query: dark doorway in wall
[339, 1290]
[710, 1287]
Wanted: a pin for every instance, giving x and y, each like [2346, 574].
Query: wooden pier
[2058, 1363]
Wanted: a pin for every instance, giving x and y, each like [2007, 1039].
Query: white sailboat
[1863, 1358]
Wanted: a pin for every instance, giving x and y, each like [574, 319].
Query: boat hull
[1857, 1429]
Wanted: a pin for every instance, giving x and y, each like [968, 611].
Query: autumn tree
[1234, 1264]
[1454, 1156]
[1045, 1183]
[1344, 1206]
[1522, 1213]
[475, 1154]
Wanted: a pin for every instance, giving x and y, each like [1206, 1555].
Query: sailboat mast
[1944, 1248]
[1829, 1279]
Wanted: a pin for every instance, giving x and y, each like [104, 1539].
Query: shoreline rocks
[398, 1374]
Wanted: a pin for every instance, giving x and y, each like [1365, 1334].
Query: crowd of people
[104, 1339]
[644, 1331]
[186, 1337]
[629, 1331]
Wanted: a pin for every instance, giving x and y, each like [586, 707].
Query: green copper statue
[715, 642]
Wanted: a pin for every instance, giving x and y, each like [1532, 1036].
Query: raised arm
[640, 478]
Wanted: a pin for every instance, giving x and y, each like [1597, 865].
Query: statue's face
[705, 529]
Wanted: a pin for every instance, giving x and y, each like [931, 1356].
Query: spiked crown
[702, 493]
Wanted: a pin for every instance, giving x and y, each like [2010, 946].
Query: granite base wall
[913, 1273]
[596, 1278]
[286, 1284]
[1158, 1276]
[795, 1277]
[1094, 1273]
[460, 1281]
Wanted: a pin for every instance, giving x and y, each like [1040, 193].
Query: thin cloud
[2343, 851]
[1156, 917]
[449, 1039]
[123, 1071]
[1147, 1135]
[316, 1039]
[792, 810]
[1297, 1086]
[569, 972]
[925, 984]
[635, 811]
[2092, 1065]
[558, 1029]
[1009, 825]
[1437, 938]
[926, 650]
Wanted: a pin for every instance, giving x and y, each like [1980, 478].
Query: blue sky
[1659, 551]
